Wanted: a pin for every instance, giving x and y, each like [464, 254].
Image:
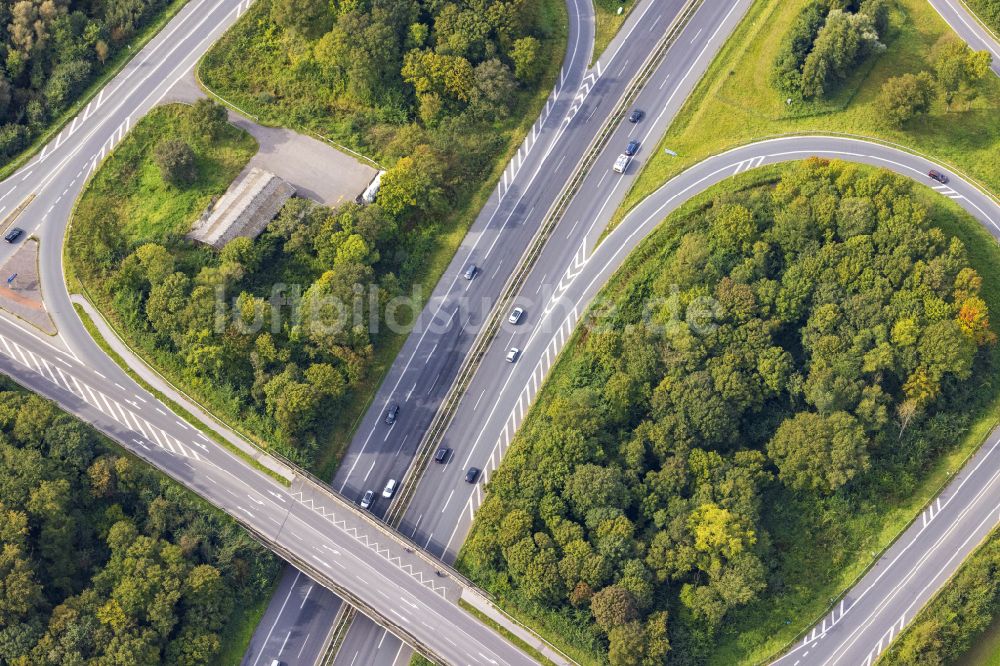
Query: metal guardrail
[343, 592]
[445, 414]
[338, 632]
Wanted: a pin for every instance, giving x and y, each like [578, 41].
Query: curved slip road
[929, 551]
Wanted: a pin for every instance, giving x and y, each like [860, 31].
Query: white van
[390, 488]
[622, 163]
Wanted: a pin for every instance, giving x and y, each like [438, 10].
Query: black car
[13, 234]
[390, 414]
[441, 456]
[472, 475]
[937, 175]
[635, 116]
[632, 147]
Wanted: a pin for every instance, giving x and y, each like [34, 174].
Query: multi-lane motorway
[441, 508]
[334, 542]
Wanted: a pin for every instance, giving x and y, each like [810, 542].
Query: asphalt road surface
[73, 371]
[969, 28]
[448, 325]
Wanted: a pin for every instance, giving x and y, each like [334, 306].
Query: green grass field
[987, 650]
[607, 22]
[128, 185]
[735, 104]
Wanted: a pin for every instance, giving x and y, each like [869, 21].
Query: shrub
[176, 161]
[904, 97]
[207, 118]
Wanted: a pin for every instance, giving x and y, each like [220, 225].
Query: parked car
[367, 499]
[621, 164]
[632, 148]
[635, 116]
[515, 315]
[938, 176]
[471, 271]
[512, 354]
[442, 454]
[13, 234]
[472, 475]
[391, 414]
[390, 489]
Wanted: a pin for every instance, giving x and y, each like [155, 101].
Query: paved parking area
[317, 170]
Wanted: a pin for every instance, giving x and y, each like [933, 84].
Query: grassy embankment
[607, 22]
[301, 107]
[988, 12]
[986, 652]
[759, 631]
[735, 103]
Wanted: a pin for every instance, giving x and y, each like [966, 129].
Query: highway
[312, 527]
[423, 371]
[446, 328]
[969, 28]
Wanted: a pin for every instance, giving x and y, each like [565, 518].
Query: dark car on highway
[472, 475]
[937, 175]
[632, 147]
[635, 116]
[13, 234]
[391, 413]
[441, 456]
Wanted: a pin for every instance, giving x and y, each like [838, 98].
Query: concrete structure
[246, 208]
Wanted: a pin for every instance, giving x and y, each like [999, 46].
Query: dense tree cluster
[104, 561]
[957, 72]
[794, 337]
[951, 624]
[284, 356]
[50, 50]
[450, 55]
[427, 88]
[826, 42]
